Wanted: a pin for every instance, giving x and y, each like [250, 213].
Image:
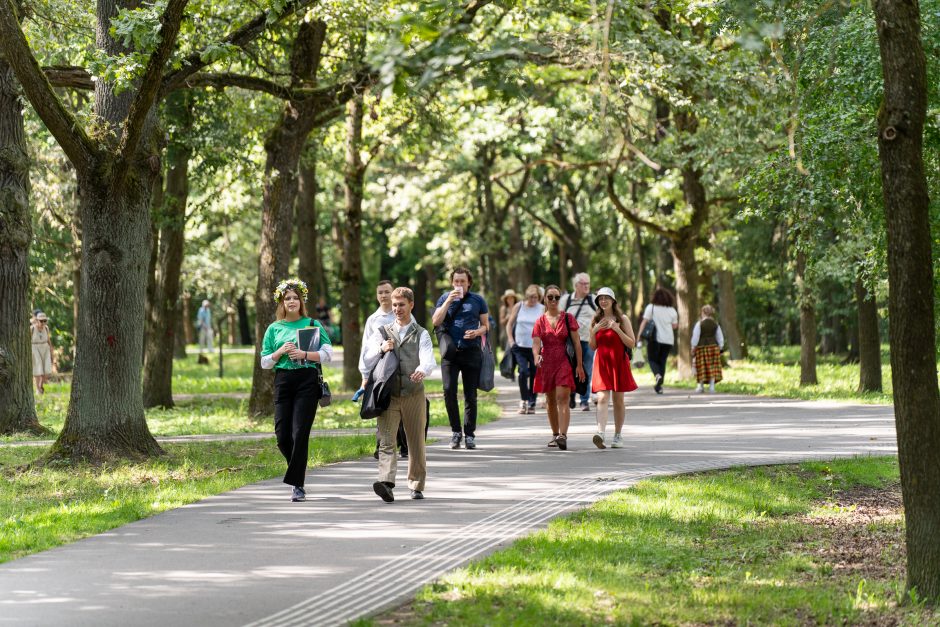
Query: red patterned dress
[611, 366]
[555, 369]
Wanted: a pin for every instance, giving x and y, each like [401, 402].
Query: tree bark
[869, 340]
[283, 149]
[807, 324]
[309, 249]
[17, 411]
[728, 315]
[683, 252]
[244, 328]
[351, 271]
[911, 298]
[165, 305]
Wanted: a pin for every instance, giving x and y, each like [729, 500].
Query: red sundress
[555, 370]
[611, 366]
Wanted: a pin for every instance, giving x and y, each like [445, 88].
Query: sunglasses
[553, 297]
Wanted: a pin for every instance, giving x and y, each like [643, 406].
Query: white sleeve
[674, 315]
[267, 362]
[366, 334]
[326, 353]
[426, 362]
[720, 337]
[696, 333]
[371, 351]
[648, 313]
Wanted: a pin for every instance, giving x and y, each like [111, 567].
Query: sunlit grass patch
[737, 547]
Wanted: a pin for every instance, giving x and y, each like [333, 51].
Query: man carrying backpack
[581, 305]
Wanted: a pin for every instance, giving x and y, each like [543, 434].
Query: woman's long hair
[281, 312]
[663, 297]
[615, 309]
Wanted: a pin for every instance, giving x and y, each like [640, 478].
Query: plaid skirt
[707, 363]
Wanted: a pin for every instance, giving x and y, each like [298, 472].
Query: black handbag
[445, 341]
[580, 385]
[649, 331]
[326, 397]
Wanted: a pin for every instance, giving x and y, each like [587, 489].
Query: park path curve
[250, 557]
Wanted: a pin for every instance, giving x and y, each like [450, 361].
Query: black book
[308, 339]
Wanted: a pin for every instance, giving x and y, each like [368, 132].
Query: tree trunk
[351, 272]
[683, 251]
[179, 337]
[165, 306]
[728, 315]
[189, 333]
[645, 292]
[807, 324]
[244, 327]
[106, 413]
[309, 249]
[911, 298]
[17, 412]
[869, 340]
[284, 147]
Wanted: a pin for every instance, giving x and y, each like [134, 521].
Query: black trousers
[656, 355]
[296, 393]
[526, 361]
[467, 363]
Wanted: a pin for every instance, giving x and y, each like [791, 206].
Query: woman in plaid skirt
[707, 341]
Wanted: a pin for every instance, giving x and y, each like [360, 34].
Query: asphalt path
[251, 557]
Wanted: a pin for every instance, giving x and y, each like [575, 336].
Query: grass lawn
[816, 543]
[775, 371]
[203, 414]
[40, 509]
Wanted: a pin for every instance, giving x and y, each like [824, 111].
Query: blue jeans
[523, 357]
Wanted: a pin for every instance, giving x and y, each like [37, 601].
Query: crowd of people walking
[570, 346]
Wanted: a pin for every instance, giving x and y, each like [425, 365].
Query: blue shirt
[464, 315]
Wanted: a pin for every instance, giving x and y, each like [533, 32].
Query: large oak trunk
[17, 412]
[106, 414]
[728, 315]
[351, 272]
[165, 306]
[309, 248]
[869, 340]
[911, 298]
[284, 147]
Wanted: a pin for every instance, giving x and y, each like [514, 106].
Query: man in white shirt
[412, 343]
[581, 306]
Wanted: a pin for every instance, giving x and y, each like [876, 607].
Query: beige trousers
[410, 411]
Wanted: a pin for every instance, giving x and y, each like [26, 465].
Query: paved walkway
[251, 557]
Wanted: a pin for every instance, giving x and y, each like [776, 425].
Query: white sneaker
[598, 440]
[522, 407]
[711, 389]
[700, 389]
[618, 441]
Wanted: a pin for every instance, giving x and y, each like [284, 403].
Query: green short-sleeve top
[280, 332]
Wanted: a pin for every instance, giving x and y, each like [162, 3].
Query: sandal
[562, 441]
[553, 442]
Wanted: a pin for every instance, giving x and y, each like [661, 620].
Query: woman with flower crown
[296, 378]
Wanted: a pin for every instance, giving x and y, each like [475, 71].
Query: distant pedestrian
[581, 304]
[464, 316]
[507, 303]
[662, 313]
[707, 341]
[554, 376]
[42, 351]
[297, 375]
[412, 344]
[204, 326]
[519, 328]
[611, 336]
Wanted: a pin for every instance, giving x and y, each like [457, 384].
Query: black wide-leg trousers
[296, 393]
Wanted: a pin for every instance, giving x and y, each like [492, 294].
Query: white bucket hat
[604, 291]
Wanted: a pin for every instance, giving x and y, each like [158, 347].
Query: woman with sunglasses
[554, 377]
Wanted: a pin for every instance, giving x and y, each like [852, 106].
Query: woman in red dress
[611, 336]
[554, 376]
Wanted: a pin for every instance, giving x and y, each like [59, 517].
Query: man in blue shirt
[465, 316]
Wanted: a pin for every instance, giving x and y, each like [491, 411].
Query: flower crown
[290, 284]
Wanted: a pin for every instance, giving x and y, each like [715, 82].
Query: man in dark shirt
[465, 316]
